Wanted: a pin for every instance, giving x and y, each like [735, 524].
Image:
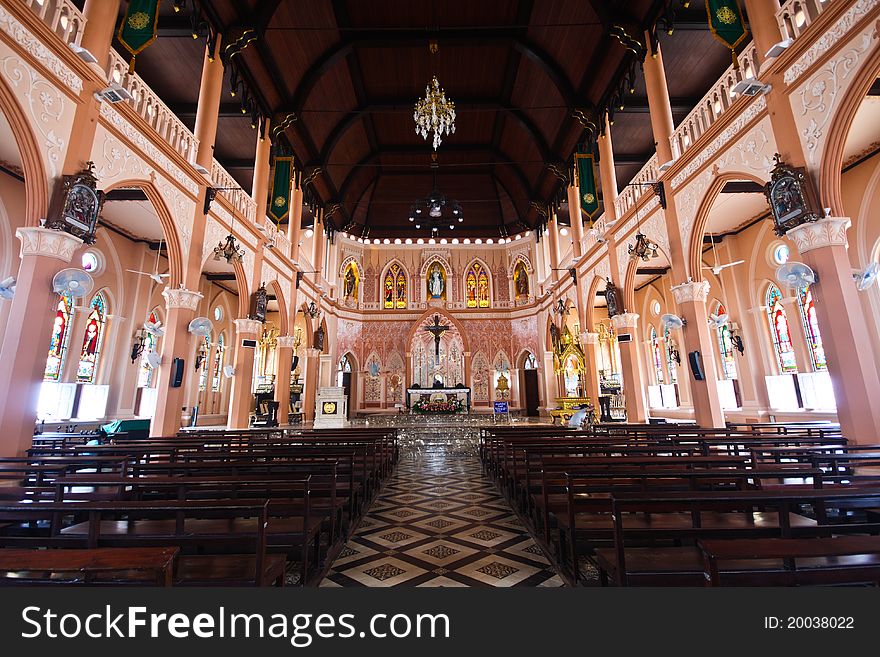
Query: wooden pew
[101, 566]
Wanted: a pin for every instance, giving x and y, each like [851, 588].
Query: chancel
[475, 293]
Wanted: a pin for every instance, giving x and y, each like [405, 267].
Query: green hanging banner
[279, 199]
[587, 184]
[726, 23]
[138, 28]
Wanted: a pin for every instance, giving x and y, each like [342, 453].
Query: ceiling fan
[718, 268]
[155, 275]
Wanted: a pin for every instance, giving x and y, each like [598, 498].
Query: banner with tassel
[279, 203]
[726, 24]
[586, 176]
[139, 27]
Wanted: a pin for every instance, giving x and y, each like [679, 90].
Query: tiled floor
[440, 522]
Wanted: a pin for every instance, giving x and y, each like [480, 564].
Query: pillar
[551, 384]
[577, 224]
[294, 228]
[590, 344]
[763, 25]
[608, 174]
[260, 188]
[310, 388]
[181, 305]
[283, 360]
[318, 246]
[44, 253]
[690, 298]
[242, 396]
[101, 17]
[208, 111]
[553, 244]
[631, 368]
[845, 334]
[658, 102]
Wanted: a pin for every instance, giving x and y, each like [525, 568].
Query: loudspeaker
[177, 372]
[696, 361]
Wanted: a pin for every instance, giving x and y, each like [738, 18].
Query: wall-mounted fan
[864, 278]
[201, 326]
[155, 275]
[229, 371]
[154, 328]
[154, 359]
[796, 275]
[7, 288]
[717, 321]
[74, 282]
[672, 322]
[717, 269]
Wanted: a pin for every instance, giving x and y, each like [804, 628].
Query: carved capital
[589, 338]
[625, 320]
[47, 242]
[691, 291]
[179, 297]
[828, 231]
[286, 341]
[311, 352]
[248, 326]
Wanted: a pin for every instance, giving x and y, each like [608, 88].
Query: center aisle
[440, 522]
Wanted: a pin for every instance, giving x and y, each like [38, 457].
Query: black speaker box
[696, 361]
[177, 372]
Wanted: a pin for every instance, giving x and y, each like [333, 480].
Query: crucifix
[438, 330]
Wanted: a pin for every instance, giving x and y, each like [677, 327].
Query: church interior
[537, 293]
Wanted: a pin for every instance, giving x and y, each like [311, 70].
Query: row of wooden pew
[208, 508]
[660, 505]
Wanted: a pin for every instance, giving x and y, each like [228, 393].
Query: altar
[463, 395]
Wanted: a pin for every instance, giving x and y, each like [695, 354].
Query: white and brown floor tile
[439, 522]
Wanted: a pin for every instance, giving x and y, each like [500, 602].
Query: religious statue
[790, 196]
[437, 329]
[521, 281]
[436, 284]
[611, 298]
[77, 204]
[319, 338]
[350, 283]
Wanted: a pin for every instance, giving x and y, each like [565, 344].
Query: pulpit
[331, 408]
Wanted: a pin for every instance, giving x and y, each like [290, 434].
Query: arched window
[811, 329]
[205, 354]
[531, 363]
[779, 331]
[145, 373]
[217, 366]
[725, 347]
[656, 357]
[476, 285]
[671, 352]
[60, 338]
[394, 288]
[91, 347]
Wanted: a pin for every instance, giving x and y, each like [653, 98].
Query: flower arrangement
[428, 406]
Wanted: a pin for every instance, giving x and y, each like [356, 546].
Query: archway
[530, 396]
[347, 378]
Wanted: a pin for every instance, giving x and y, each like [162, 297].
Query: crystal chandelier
[434, 113]
[228, 250]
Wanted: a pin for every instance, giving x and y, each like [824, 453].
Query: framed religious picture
[259, 301]
[77, 204]
[790, 196]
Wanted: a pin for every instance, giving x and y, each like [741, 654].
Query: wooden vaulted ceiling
[350, 72]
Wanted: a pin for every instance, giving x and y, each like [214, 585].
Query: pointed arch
[444, 317]
[394, 284]
[480, 377]
[778, 325]
[477, 284]
[283, 322]
[810, 322]
[96, 327]
[434, 267]
[59, 341]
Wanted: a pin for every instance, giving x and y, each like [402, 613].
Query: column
[310, 388]
[551, 384]
[590, 343]
[101, 17]
[608, 174]
[658, 103]
[631, 368]
[208, 112]
[181, 305]
[799, 339]
[690, 298]
[283, 360]
[318, 245]
[242, 396]
[294, 227]
[845, 334]
[553, 244]
[577, 224]
[763, 25]
[260, 188]
[44, 253]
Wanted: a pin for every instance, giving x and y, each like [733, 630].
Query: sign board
[501, 407]
[249, 343]
[624, 337]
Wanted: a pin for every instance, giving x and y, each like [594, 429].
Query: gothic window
[779, 331]
[205, 354]
[671, 365]
[531, 362]
[145, 373]
[656, 357]
[60, 338]
[725, 347]
[94, 337]
[217, 367]
[476, 284]
[811, 329]
[394, 288]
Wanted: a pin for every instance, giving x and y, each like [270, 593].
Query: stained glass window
[145, 374]
[60, 339]
[91, 347]
[671, 365]
[531, 362]
[206, 358]
[476, 285]
[779, 331]
[394, 288]
[811, 329]
[656, 357]
[217, 366]
[725, 347]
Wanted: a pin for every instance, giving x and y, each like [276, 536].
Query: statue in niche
[436, 282]
[611, 298]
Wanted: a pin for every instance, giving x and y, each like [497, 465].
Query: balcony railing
[62, 16]
[795, 16]
[152, 110]
[234, 194]
[638, 186]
